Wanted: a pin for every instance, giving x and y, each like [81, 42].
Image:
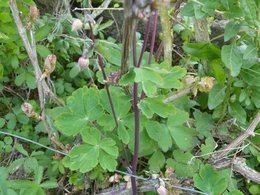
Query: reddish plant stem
[91, 34]
[153, 36]
[159, 52]
[136, 110]
[101, 64]
[137, 122]
[155, 21]
[147, 31]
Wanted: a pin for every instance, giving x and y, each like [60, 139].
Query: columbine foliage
[179, 135]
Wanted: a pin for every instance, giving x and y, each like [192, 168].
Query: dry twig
[42, 87]
[219, 159]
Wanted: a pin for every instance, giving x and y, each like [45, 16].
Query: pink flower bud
[76, 25]
[83, 63]
[162, 190]
[27, 108]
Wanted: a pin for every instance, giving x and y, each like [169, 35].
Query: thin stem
[153, 36]
[101, 64]
[137, 123]
[147, 31]
[155, 21]
[226, 100]
[91, 32]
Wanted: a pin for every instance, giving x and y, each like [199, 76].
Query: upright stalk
[153, 36]
[155, 21]
[136, 110]
[166, 34]
[101, 64]
[258, 36]
[137, 122]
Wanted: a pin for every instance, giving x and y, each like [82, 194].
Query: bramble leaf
[233, 58]
[238, 112]
[251, 75]
[216, 96]
[231, 30]
[205, 51]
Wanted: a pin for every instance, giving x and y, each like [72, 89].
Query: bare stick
[177, 95]
[239, 140]
[97, 11]
[98, 8]
[240, 166]
[32, 55]
[31, 51]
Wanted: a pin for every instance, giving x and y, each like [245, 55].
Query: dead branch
[177, 95]
[42, 87]
[97, 11]
[249, 132]
[31, 51]
[240, 166]
[219, 159]
[144, 186]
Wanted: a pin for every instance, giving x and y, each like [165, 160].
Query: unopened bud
[115, 178]
[49, 65]
[83, 63]
[206, 84]
[27, 108]
[162, 190]
[33, 16]
[76, 25]
[189, 80]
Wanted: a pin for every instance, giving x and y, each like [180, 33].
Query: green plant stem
[226, 100]
[166, 34]
[258, 36]
[155, 21]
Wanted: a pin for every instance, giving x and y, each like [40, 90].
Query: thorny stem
[137, 122]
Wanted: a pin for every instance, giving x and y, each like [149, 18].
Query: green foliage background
[181, 134]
